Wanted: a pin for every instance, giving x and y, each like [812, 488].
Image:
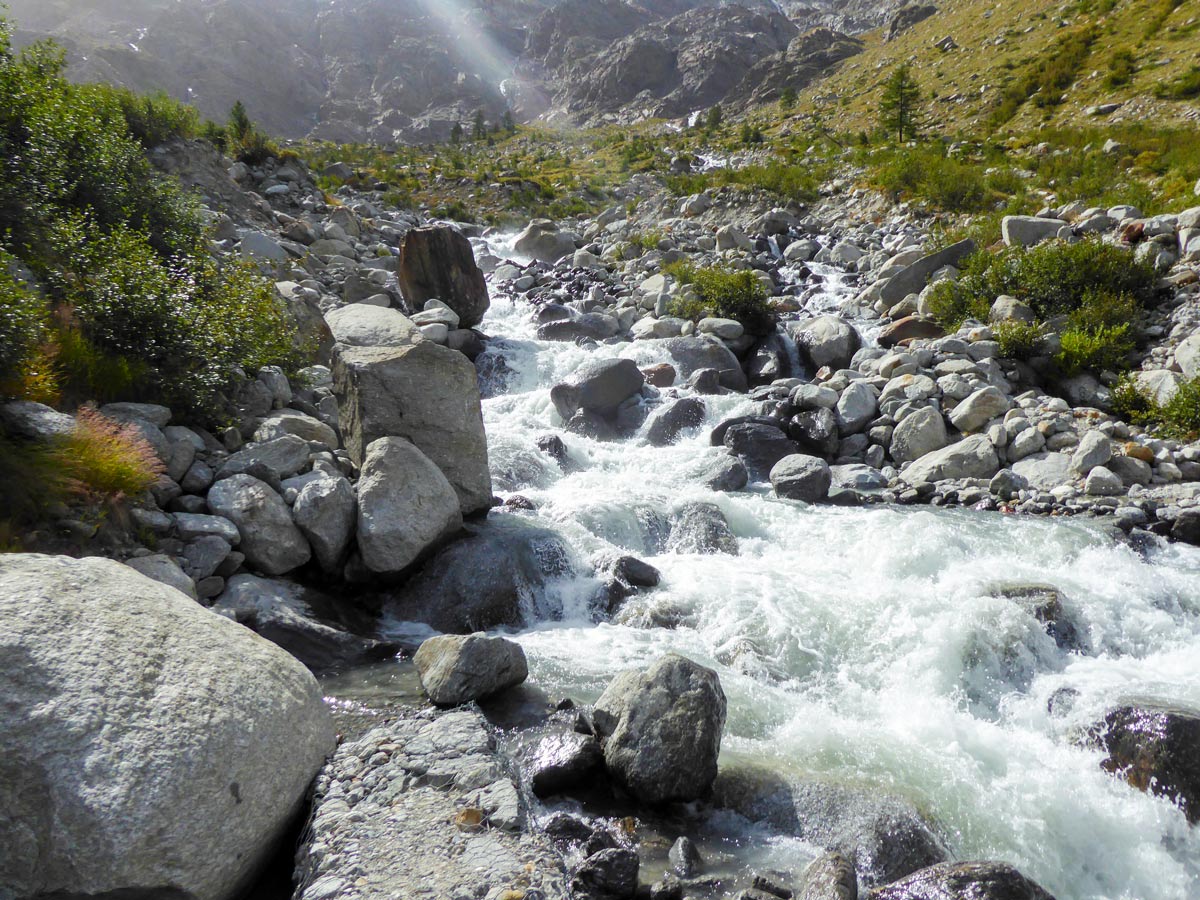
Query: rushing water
[866, 644]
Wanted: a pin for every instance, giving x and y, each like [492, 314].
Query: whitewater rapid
[864, 645]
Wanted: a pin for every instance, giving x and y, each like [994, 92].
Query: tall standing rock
[662, 729]
[148, 747]
[422, 392]
[405, 506]
[437, 263]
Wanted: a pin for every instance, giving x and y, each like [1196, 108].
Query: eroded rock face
[438, 263]
[662, 729]
[145, 743]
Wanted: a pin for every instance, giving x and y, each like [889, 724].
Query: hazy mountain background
[385, 70]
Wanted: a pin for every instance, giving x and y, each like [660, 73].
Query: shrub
[926, 173]
[1178, 418]
[1054, 278]
[1182, 87]
[1100, 348]
[1018, 340]
[1121, 66]
[22, 315]
[150, 119]
[727, 295]
[105, 459]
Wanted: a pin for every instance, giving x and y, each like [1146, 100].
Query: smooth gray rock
[1045, 470]
[913, 278]
[977, 880]
[1094, 449]
[979, 408]
[597, 386]
[919, 433]
[283, 456]
[543, 241]
[661, 729]
[1026, 231]
[800, 477]
[290, 421]
[34, 421]
[270, 539]
[406, 506]
[364, 325]
[856, 407]
[180, 745]
[826, 341]
[972, 457]
[695, 352]
[326, 512]
[425, 393]
[161, 568]
[458, 668]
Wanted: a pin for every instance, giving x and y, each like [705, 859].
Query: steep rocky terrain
[366, 70]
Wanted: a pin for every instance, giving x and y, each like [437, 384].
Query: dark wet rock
[699, 527]
[717, 436]
[437, 263]
[561, 761]
[769, 886]
[696, 352]
[564, 827]
[706, 381]
[1045, 604]
[592, 425]
[973, 880]
[553, 446]
[1187, 527]
[668, 423]
[826, 341]
[661, 729]
[495, 576]
[685, 858]
[760, 447]
[815, 431]
[884, 834]
[660, 375]
[607, 875]
[285, 614]
[770, 359]
[590, 326]
[1155, 749]
[456, 669]
[636, 572]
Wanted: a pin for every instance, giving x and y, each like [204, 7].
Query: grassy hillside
[1025, 65]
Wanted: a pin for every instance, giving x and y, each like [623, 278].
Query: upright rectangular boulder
[425, 393]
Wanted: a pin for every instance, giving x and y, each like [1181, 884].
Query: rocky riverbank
[355, 498]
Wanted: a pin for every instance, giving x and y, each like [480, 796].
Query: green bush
[926, 173]
[1018, 340]
[724, 294]
[22, 318]
[151, 119]
[1121, 66]
[1177, 418]
[1183, 87]
[1097, 349]
[139, 304]
[1053, 278]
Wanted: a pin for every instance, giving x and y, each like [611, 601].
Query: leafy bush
[1018, 340]
[1100, 348]
[139, 305]
[1177, 418]
[1182, 87]
[926, 173]
[1053, 278]
[1121, 66]
[151, 119]
[22, 316]
[727, 295]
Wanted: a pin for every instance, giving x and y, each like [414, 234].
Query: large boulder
[422, 392]
[287, 614]
[884, 834]
[148, 748]
[495, 576]
[973, 457]
[406, 507]
[913, 278]
[325, 511]
[975, 411]
[758, 446]
[1025, 231]
[668, 423]
[910, 328]
[543, 241]
[917, 434]
[826, 341]
[364, 325]
[1155, 749]
[661, 729]
[270, 539]
[800, 477]
[598, 386]
[458, 668]
[976, 880]
[691, 354]
[437, 263]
